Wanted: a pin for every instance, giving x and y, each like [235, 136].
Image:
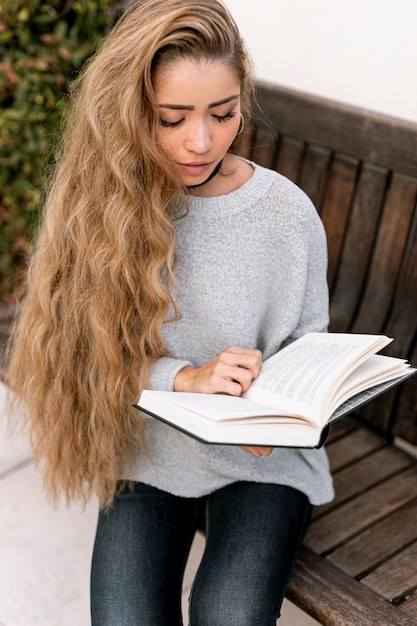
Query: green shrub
[42, 46]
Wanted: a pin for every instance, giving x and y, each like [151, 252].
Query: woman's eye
[167, 124]
[218, 118]
[225, 118]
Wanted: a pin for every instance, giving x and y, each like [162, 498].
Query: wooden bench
[358, 565]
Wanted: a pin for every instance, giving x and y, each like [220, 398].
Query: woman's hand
[231, 372]
[257, 450]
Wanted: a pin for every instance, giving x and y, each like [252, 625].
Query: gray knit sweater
[252, 273]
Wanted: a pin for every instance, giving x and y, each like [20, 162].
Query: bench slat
[396, 577]
[402, 322]
[338, 193]
[289, 158]
[410, 605]
[354, 446]
[262, 152]
[366, 473]
[314, 172]
[378, 543]
[335, 599]
[405, 425]
[351, 518]
[388, 254]
[360, 235]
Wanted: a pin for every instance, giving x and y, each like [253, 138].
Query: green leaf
[32, 103]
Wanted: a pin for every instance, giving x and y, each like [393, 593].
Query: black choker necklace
[212, 175]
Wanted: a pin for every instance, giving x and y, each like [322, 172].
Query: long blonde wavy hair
[101, 280]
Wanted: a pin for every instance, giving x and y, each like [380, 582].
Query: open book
[301, 389]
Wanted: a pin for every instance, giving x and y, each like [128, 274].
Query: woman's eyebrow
[185, 107]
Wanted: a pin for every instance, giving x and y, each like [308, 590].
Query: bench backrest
[360, 170]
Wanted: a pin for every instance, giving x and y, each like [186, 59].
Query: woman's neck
[235, 172]
[212, 175]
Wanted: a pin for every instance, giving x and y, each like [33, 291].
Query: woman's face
[199, 109]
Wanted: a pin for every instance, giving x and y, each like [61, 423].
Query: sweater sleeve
[164, 371]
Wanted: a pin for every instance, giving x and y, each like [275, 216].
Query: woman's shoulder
[281, 191]
[275, 180]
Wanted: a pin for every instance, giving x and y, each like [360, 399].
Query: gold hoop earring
[241, 125]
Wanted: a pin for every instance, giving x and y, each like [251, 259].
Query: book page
[219, 407]
[307, 371]
[361, 398]
[375, 370]
[214, 407]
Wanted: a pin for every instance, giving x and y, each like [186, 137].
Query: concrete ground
[45, 552]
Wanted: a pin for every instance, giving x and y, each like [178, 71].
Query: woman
[165, 261]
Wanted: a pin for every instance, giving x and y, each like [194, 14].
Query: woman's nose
[198, 139]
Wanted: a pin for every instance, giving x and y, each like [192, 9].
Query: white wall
[363, 52]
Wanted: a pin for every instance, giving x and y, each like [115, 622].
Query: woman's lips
[194, 169]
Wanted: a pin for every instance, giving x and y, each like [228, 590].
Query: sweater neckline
[235, 201]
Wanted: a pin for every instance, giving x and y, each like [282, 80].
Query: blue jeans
[253, 534]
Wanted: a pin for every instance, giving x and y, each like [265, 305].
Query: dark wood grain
[397, 577]
[313, 176]
[353, 517]
[358, 245]
[388, 253]
[354, 446]
[263, 150]
[366, 473]
[289, 158]
[335, 208]
[366, 135]
[375, 545]
[410, 604]
[335, 599]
